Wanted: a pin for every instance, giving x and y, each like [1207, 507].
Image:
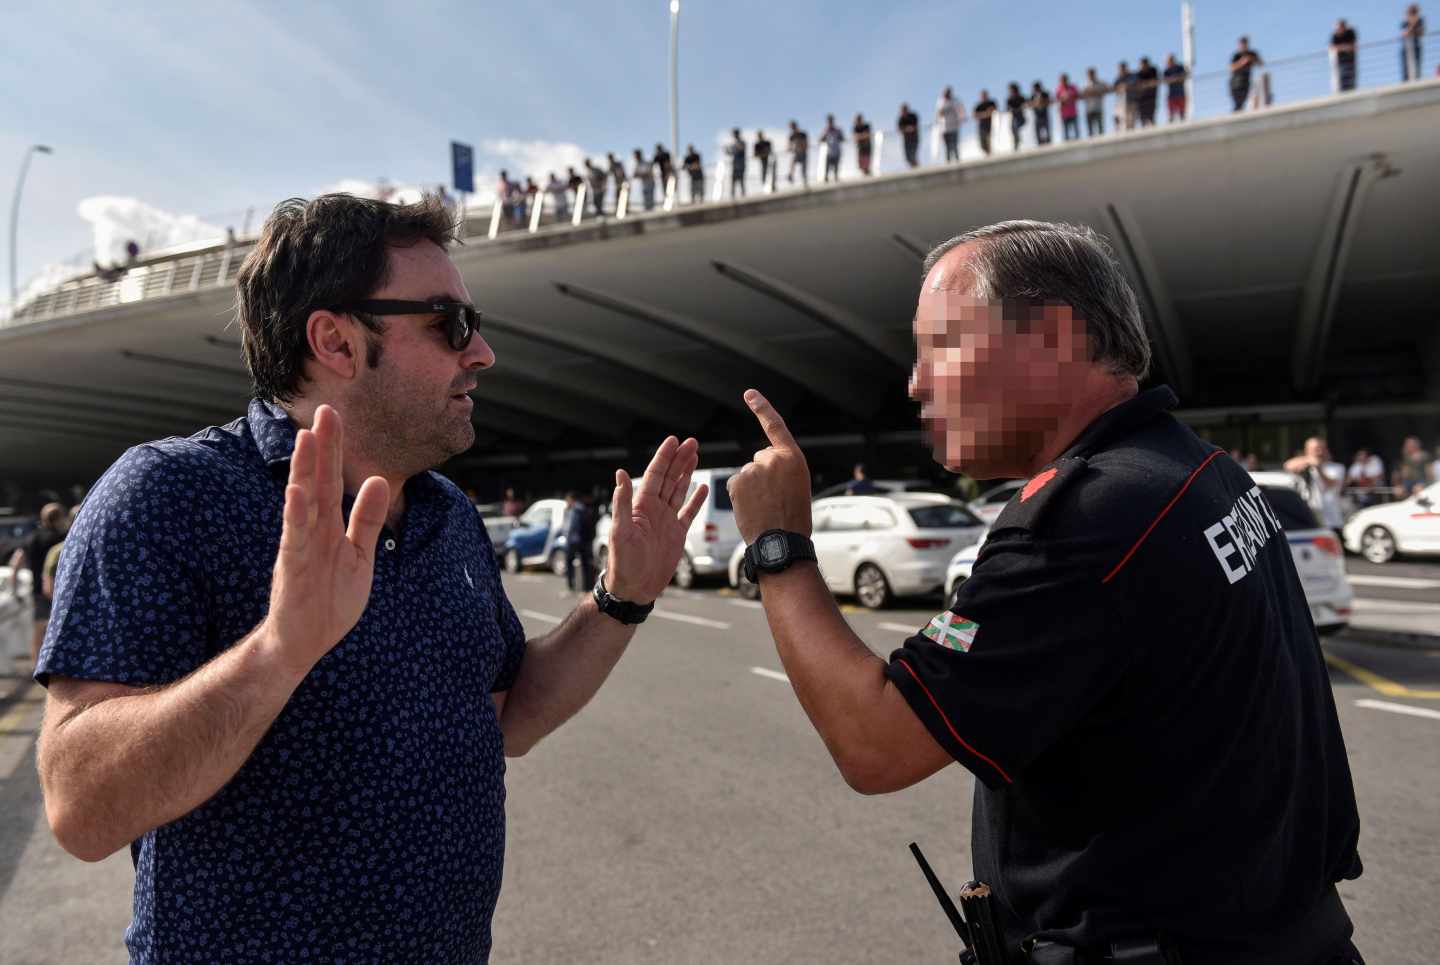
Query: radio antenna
[951, 911]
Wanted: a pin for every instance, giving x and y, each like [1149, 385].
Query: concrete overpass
[1287, 261]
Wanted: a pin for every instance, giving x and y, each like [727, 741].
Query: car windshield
[1293, 512]
[944, 516]
[719, 493]
[536, 515]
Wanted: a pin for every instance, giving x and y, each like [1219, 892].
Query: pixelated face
[991, 377]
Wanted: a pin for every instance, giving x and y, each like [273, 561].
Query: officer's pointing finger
[775, 429]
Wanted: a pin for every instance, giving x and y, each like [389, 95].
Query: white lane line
[1399, 708]
[537, 615]
[899, 628]
[772, 674]
[687, 618]
[1400, 582]
[1395, 606]
[748, 604]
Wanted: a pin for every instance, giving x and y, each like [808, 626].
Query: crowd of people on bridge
[1133, 93]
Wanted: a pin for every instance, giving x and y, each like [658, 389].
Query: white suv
[712, 538]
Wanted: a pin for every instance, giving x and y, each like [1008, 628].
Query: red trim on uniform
[1168, 506]
[951, 727]
[1037, 484]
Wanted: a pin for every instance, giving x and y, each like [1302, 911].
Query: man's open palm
[647, 534]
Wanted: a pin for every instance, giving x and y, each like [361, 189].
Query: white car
[961, 564]
[994, 500]
[497, 524]
[882, 547]
[712, 538]
[1409, 526]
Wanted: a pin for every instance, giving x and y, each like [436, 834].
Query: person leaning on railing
[985, 109]
[1094, 92]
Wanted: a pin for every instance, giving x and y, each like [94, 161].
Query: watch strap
[612, 606]
[797, 547]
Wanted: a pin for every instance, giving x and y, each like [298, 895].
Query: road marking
[748, 604]
[16, 714]
[899, 628]
[1399, 708]
[1396, 606]
[1400, 582]
[772, 674]
[1376, 682]
[537, 615]
[852, 608]
[686, 618]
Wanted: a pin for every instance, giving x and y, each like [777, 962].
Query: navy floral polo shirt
[369, 823]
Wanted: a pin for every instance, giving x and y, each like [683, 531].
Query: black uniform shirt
[1132, 673]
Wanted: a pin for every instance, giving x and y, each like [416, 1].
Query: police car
[1409, 526]
[1316, 551]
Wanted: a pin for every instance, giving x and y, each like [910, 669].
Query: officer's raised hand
[647, 534]
[773, 490]
[323, 573]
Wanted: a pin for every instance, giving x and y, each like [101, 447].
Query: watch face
[771, 549]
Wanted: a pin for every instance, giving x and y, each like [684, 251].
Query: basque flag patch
[953, 631]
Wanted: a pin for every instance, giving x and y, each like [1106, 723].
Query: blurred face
[413, 405]
[992, 379]
[1315, 449]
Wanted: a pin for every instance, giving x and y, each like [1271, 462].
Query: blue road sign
[462, 161]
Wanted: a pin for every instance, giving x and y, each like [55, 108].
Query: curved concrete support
[1167, 339]
[793, 366]
[841, 321]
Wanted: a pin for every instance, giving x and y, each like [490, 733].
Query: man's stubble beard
[397, 429]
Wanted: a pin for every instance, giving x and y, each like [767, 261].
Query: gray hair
[1043, 262]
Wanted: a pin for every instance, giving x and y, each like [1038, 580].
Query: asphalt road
[691, 814]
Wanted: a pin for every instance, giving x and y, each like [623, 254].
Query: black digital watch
[612, 606]
[774, 550]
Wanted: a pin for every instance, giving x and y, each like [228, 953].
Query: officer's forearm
[113, 769]
[839, 682]
[560, 673]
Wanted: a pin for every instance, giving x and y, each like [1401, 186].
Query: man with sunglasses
[281, 665]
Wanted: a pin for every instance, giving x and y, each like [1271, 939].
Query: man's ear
[335, 342]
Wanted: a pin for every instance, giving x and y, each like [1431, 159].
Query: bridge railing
[1311, 76]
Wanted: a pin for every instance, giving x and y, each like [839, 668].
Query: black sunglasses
[461, 318]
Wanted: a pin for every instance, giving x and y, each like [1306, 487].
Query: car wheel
[748, 590]
[512, 561]
[557, 562]
[685, 573]
[871, 587]
[950, 591]
[1377, 544]
[1330, 629]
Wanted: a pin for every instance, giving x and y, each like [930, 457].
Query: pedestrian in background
[737, 151]
[1365, 477]
[799, 155]
[1094, 92]
[1413, 471]
[664, 165]
[1124, 88]
[1175, 76]
[1067, 95]
[949, 113]
[50, 533]
[1342, 46]
[1242, 62]
[618, 176]
[596, 177]
[556, 189]
[832, 137]
[1040, 107]
[1015, 103]
[864, 144]
[575, 183]
[696, 169]
[985, 109]
[644, 172]
[763, 149]
[1320, 481]
[909, 124]
[1147, 92]
[579, 530]
[1412, 33]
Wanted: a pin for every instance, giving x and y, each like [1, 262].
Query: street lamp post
[15, 216]
[674, 80]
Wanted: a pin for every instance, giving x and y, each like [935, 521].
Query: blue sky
[207, 109]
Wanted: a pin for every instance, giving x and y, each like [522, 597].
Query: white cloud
[116, 221]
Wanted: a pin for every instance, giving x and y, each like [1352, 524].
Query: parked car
[497, 524]
[882, 547]
[991, 502]
[536, 539]
[711, 540]
[1319, 558]
[881, 486]
[961, 564]
[1412, 525]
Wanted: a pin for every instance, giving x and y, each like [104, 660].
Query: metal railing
[1306, 77]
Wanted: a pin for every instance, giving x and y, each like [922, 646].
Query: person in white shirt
[1364, 477]
[949, 115]
[1321, 480]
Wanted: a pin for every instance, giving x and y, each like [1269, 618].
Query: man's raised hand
[647, 532]
[773, 490]
[323, 573]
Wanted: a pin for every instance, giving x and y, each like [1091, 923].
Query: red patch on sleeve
[1038, 483]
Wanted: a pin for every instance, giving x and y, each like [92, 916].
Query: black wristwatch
[774, 550]
[612, 606]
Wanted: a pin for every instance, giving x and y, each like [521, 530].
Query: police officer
[1130, 672]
